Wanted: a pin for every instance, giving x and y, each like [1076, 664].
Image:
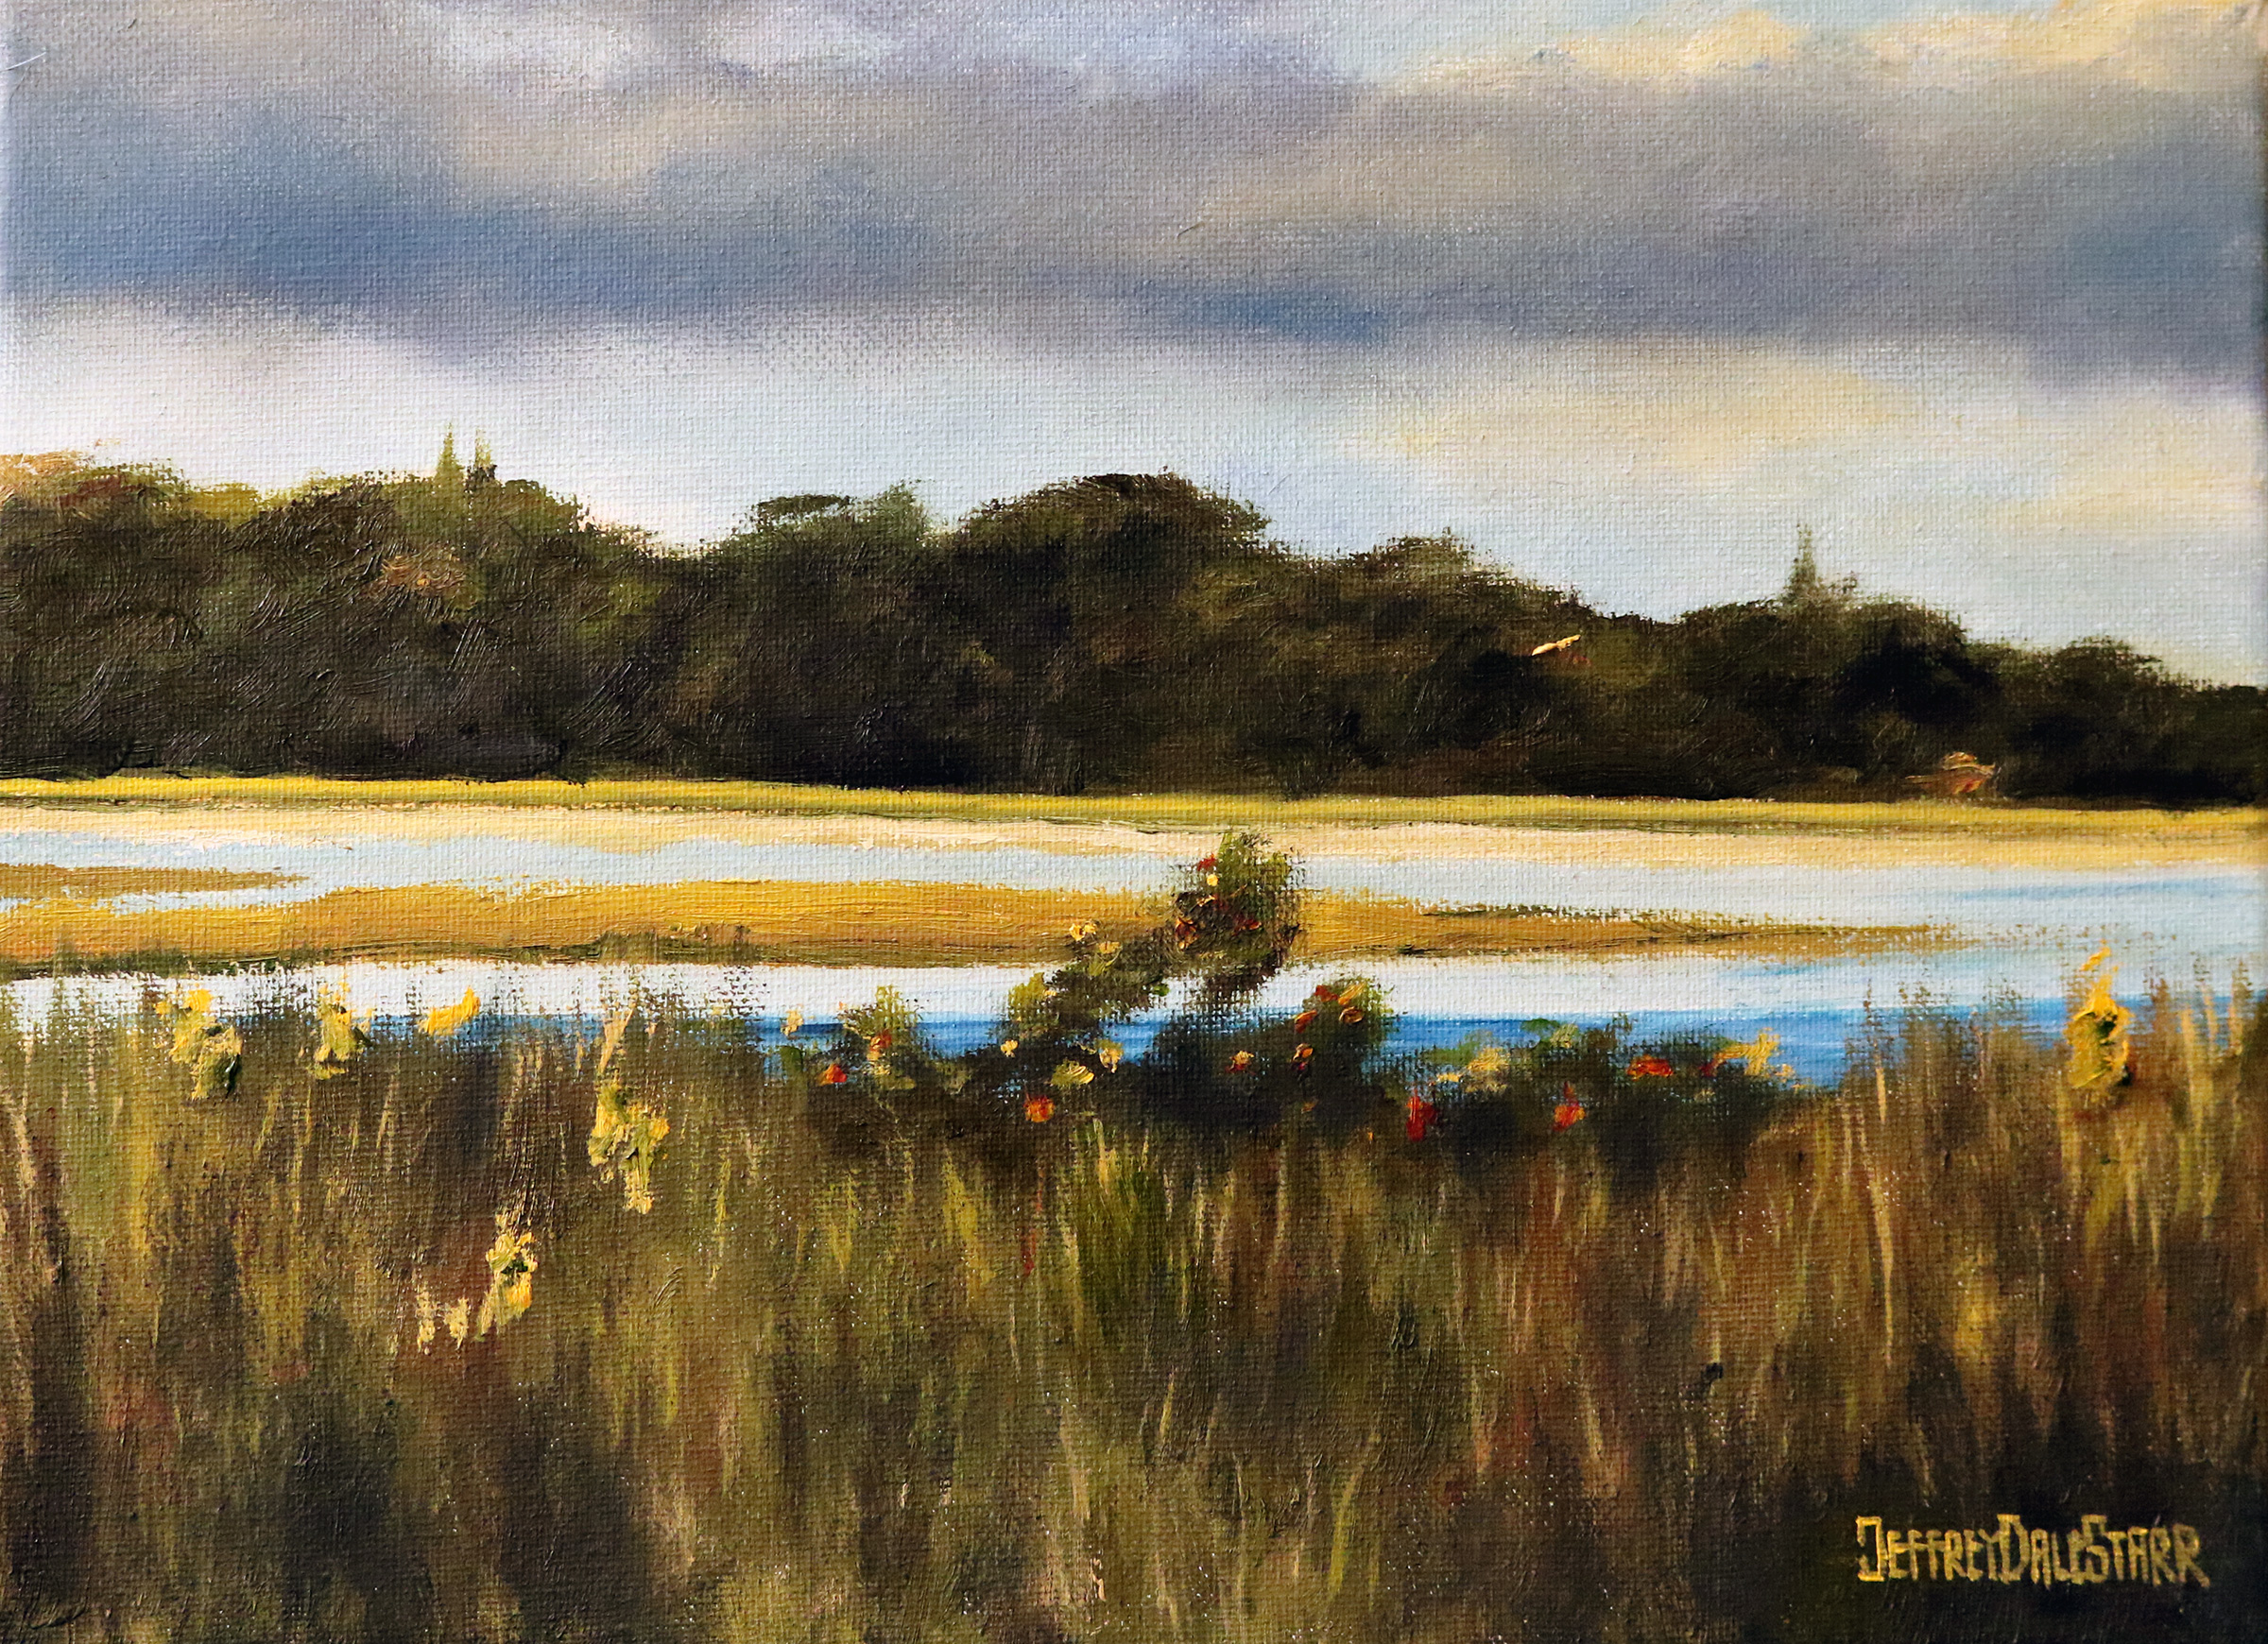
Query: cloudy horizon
[1621, 299]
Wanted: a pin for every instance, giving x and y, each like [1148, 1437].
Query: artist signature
[2157, 1554]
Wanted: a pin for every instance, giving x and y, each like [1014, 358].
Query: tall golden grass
[380, 1349]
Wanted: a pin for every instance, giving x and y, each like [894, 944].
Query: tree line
[1121, 631]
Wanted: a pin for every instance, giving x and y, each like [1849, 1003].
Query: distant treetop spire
[449, 473]
[1804, 586]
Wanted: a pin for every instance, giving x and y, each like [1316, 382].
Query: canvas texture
[1183, 820]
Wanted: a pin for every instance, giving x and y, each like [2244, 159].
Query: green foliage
[1643, 1103]
[1233, 922]
[799, 648]
[1122, 631]
[1218, 1065]
[1236, 915]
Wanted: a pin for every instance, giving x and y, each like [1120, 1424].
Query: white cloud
[1649, 477]
[552, 48]
[2172, 46]
[771, 38]
[2034, 508]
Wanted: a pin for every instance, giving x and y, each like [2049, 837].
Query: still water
[2002, 931]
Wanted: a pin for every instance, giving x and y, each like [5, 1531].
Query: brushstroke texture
[1118, 632]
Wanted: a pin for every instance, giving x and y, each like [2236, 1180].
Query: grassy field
[655, 1334]
[1200, 811]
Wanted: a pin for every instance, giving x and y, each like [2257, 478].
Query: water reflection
[1814, 1008]
[2021, 930]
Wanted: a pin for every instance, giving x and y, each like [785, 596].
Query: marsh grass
[758, 921]
[939, 1372]
[2050, 827]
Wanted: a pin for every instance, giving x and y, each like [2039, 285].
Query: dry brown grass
[792, 922]
[853, 1377]
[35, 879]
[2038, 833]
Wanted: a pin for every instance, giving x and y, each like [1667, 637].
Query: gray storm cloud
[1192, 167]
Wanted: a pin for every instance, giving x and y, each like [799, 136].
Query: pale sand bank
[1659, 834]
[786, 922]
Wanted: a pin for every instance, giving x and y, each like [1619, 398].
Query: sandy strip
[2064, 841]
[37, 880]
[788, 922]
[2075, 851]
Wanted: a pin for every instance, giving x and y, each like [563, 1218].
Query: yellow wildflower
[340, 1034]
[2100, 1054]
[441, 1023]
[512, 1267]
[1756, 1055]
[624, 1136]
[212, 1051]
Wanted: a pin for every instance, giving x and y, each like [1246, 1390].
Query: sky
[1623, 295]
